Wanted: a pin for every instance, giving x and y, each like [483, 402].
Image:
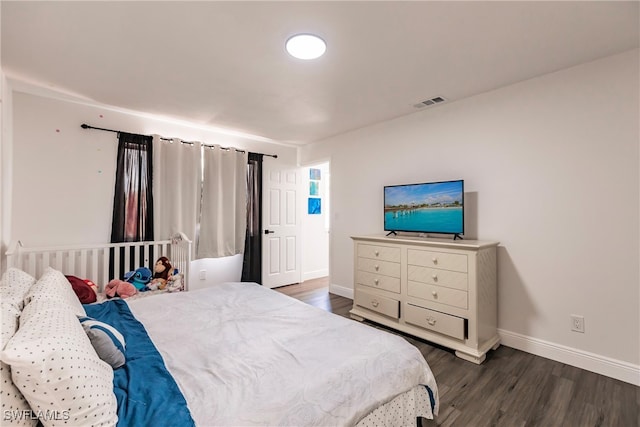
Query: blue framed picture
[314, 206]
[314, 174]
[314, 188]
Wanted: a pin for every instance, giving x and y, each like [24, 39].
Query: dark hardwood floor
[511, 388]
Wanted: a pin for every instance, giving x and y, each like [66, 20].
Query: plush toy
[82, 289]
[162, 271]
[175, 282]
[138, 278]
[120, 288]
[92, 285]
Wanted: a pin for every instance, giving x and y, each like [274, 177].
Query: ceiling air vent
[429, 102]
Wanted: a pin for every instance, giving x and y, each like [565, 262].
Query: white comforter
[246, 355]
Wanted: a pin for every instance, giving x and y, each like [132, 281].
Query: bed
[236, 354]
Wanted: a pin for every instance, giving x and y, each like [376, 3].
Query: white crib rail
[93, 261]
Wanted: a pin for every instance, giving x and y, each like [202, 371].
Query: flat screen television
[430, 207]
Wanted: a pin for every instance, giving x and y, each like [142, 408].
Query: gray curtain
[176, 187]
[223, 217]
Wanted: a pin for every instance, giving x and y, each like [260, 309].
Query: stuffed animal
[175, 282]
[120, 288]
[82, 289]
[162, 272]
[92, 285]
[138, 278]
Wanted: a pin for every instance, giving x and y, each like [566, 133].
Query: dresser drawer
[378, 281]
[383, 305]
[442, 260]
[380, 267]
[434, 276]
[439, 294]
[383, 253]
[446, 324]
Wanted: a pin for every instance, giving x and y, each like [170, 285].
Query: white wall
[315, 228]
[63, 176]
[6, 165]
[5, 161]
[551, 171]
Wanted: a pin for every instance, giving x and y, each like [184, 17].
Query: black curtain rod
[86, 126]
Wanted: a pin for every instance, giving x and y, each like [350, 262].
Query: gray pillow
[106, 340]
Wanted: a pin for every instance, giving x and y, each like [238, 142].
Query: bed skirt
[401, 411]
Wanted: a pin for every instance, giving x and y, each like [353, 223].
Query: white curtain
[176, 187]
[223, 221]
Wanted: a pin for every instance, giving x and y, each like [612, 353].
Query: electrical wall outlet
[203, 274]
[577, 323]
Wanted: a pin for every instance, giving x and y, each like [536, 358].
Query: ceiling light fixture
[306, 46]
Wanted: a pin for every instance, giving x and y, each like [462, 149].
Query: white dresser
[441, 290]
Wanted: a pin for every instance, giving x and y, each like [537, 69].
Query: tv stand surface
[456, 236]
[440, 290]
[435, 241]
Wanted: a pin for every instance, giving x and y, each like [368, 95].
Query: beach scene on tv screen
[433, 207]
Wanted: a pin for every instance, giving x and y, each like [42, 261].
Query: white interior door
[281, 225]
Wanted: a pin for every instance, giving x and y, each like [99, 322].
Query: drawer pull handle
[431, 321]
[377, 267]
[376, 281]
[377, 253]
[374, 303]
[435, 260]
[435, 294]
[435, 277]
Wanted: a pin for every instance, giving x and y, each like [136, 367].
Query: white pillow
[15, 408]
[9, 322]
[14, 285]
[53, 286]
[57, 370]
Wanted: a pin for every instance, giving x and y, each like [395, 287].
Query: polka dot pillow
[57, 370]
[14, 285]
[54, 287]
[15, 408]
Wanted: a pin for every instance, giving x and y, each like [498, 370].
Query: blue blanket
[146, 392]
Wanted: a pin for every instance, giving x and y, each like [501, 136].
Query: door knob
[269, 231]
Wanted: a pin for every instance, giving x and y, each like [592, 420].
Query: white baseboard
[310, 275]
[341, 290]
[620, 370]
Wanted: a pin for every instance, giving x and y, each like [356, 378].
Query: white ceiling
[223, 64]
